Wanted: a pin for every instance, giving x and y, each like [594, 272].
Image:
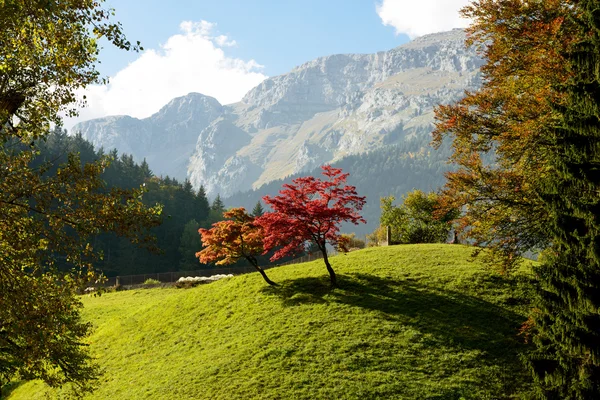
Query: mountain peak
[456, 36]
[189, 107]
[319, 112]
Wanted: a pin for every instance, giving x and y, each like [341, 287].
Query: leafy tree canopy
[48, 51]
[238, 236]
[506, 123]
[311, 210]
[415, 221]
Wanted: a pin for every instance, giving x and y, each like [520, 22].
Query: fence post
[388, 235]
[118, 281]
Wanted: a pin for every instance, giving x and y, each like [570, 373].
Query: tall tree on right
[566, 363]
[528, 149]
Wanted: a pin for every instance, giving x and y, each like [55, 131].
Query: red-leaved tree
[311, 210]
[232, 239]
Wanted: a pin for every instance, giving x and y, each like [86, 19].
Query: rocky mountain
[166, 140]
[320, 112]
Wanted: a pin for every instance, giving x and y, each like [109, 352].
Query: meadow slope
[408, 322]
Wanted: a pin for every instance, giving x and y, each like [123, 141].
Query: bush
[150, 281]
[415, 221]
[378, 237]
[186, 284]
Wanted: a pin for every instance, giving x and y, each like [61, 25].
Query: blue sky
[277, 34]
[223, 48]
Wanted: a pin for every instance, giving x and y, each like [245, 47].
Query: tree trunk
[254, 262]
[332, 276]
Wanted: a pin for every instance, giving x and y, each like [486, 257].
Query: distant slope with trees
[184, 210]
[392, 171]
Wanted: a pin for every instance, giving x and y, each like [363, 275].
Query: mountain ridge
[319, 112]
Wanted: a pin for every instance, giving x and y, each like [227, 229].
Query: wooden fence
[169, 277]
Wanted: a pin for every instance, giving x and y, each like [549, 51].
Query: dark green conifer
[566, 361]
[217, 204]
[189, 245]
[202, 204]
[258, 210]
[145, 172]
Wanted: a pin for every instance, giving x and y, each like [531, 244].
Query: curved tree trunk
[332, 276]
[254, 262]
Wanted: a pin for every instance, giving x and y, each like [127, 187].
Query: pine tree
[215, 214]
[258, 210]
[202, 204]
[145, 172]
[217, 204]
[566, 362]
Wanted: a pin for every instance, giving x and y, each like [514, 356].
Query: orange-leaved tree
[499, 133]
[311, 210]
[237, 237]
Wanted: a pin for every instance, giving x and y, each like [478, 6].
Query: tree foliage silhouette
[310, 210]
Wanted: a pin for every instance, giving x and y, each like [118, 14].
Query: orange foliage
[229, 240]
[498, 132]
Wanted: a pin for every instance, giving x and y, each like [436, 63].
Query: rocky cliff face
[317, 113]
[166, 140]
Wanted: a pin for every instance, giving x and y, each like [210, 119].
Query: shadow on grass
[454, 318]
[300, 291]
[7, 389]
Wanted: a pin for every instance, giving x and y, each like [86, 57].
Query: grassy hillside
[408, 322]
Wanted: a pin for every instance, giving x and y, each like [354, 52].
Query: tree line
[390, 171]
[184, 210]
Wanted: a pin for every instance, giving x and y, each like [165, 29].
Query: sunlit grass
[407, 322]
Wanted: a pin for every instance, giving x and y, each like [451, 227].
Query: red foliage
[232, 239]
[310, 210]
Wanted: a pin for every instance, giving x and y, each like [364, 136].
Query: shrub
[377, 237]
[150, 281]
[415, 221]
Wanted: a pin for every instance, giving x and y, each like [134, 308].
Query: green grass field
[408, 322]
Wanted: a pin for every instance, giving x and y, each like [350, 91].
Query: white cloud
[420, 17]
[224, 41]
[192, 61]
